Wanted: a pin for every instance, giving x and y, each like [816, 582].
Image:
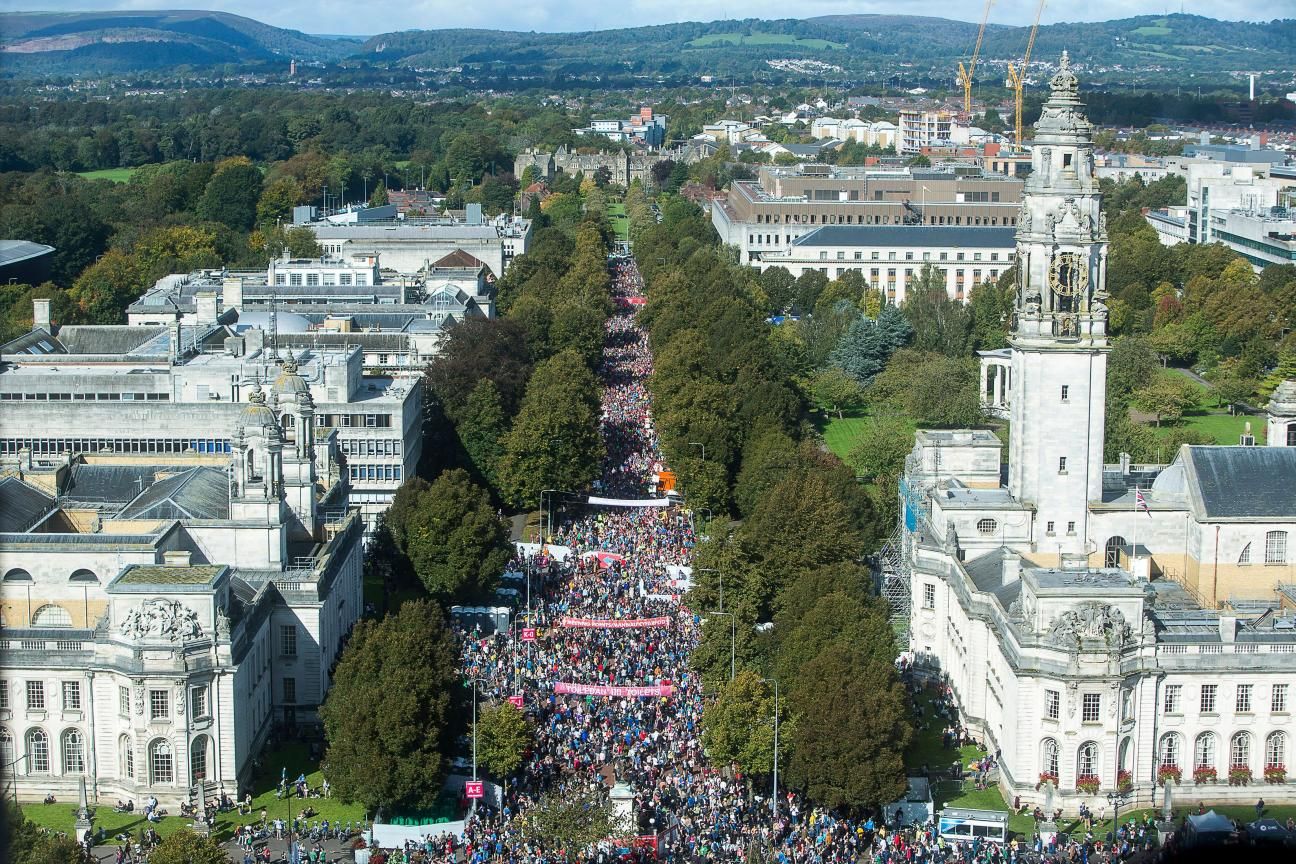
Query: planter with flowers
[1275, 774]
[1168, 774]
[1124, 782]
[1089, 784]
[1047, 777]
[1239, 776]
[1204, 774]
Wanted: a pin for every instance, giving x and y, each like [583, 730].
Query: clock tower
[1059, 333]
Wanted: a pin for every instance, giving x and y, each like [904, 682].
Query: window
[1087, 760]
[123, 701]
[1066, 392]
[1244, 557]
[1052, 704]
[1276, 750]
[51, 616]
[71, 695]
[1278, 699]
[1048, 527]
[929, 596]
[1173, 696]
[1111, 552]
[1240, 751]
[290, 691]
[160, 769]
[35, 695]
[159, 705]
[73, 752]
[1208, 698]
[198, 760]
[288, 640]
[127, 757]
[4, 695]
[1243, 703]
[1091, 708]
[1049, 757]
[1170, 747]
[198, 701]
[1276, 547]
[38, 752]
[1062, 464]
[1070, 527]
[7, 756]
[1204, 751]
[987, 526]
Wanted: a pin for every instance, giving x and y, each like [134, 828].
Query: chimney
[232, 292]
[176, 558]
[1228, 628]
[206, 303]
[41, 315]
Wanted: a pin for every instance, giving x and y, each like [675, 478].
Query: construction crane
[965, 73]
[1017, 75]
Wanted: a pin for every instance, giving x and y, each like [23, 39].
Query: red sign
[528, 634]
[517, 701]
[473, 789]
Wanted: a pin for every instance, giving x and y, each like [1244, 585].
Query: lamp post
[733, 641]
[719, 574]
[774, 796]
[473, 806]
[14, 765]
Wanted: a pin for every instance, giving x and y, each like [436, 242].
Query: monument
[200, 826]
[84, 816]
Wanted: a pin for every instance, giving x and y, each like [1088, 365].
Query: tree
[555, 441]
[835, 390]
[107, 287]
[929, 389]
[883, 443]
[867, 344]
[939, 322]
[23, 842]
[570, 818]
[378, 198]
[503, 736]
[278, 200]
[232, 195]
[1166, 396]
[386, 564]
[187, 847]
[852, 726]
[479, 348]
[481, 428]
[738, 726]
[453, 537]
[1232, 389]
[1130, 364]
[385, 715]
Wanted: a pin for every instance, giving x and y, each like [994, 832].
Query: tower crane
[1017, 75]
[965, 73]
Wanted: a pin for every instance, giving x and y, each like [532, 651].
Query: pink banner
[664, 689]
[616, 623]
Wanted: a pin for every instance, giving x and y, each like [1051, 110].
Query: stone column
[999, 385]
[985, 375]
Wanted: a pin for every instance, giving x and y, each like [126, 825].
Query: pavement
[334, 850]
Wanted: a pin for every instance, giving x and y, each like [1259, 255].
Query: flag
[1140, 503]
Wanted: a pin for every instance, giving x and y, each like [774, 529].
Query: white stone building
[161, 614]
[1101, 627]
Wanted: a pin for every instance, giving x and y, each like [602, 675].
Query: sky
[370, 17]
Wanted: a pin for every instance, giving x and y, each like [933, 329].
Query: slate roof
[21, 504]
[106, 339]
[13, 251]
[954, 236]
[198, 493]
[1242, 482]
[110, 484]
[161, 574]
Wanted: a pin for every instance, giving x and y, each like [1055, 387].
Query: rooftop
[13, 251]
[162, 574]
[1243, 482]
[910, 236]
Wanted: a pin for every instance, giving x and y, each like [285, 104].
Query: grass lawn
[619, 221]
[1207, 418]
[841, 435]
[715, 39]
[294, 757]
[116, 175]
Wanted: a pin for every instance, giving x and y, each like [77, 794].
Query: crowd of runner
[697, 812]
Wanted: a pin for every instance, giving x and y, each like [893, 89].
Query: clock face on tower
[1068, 275]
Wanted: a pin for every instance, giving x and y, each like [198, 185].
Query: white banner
[629, 502]
[558, 553]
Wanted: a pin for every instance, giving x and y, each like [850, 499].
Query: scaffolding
[895, 559]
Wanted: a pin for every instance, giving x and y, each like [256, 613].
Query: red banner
[528, 634]
[474, 789]
[517, 701]
[664, 689]
[616, 623]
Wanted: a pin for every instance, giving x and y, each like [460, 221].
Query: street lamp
[774, 797]
[473, 807]
[14, 765]
[733, 641]
[1115, 799]
[721, 575]
[699, 444]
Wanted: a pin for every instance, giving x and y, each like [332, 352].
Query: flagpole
[1134, 548]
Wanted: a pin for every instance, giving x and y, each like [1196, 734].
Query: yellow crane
[965, 73]
[1017, 74]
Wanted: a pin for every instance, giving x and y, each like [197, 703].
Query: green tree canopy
[385, 715]
[867, 345]
[503, 736]
[738, 726]
[187, 847]
[232, 195]
[23, 842]
[940, 323]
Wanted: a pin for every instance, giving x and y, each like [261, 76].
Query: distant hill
[100, 42]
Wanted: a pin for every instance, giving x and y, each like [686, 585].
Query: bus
[967, 825]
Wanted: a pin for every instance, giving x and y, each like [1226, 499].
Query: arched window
[1244, 557]
[1111, 555]
[1204, 751]
[73, 752]
[17, 575]
[1126, 747]
[198, 760]
[88, 577]
[127, 750]
[1087, 760]
[160, 766]
[37, 752]
[1276, 547]
[1171, 745]
[1276, 750]
[987, 526]
[1240, 751]
[1049, 757]
[7, 756]
[50, 615]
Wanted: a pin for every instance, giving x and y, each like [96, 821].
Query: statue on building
[1090, 621]
[163, 618]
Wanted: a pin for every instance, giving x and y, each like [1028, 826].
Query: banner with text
[663, 690]
[616, 623]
